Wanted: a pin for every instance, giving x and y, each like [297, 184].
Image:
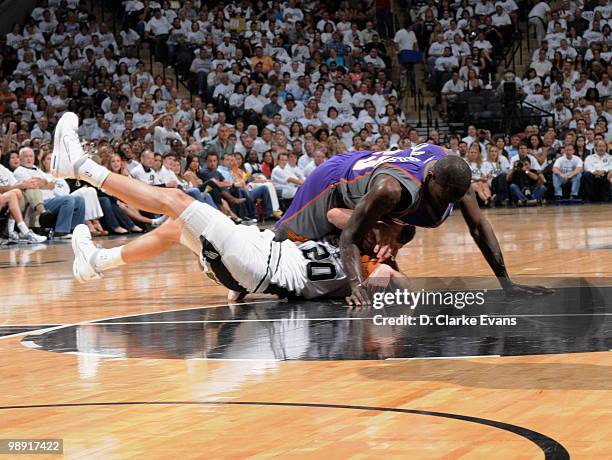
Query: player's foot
[63, 236]
[84, 252]
[68, 154]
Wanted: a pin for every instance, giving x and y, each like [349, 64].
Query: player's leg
[90, 261]
[243, 251]
[70, 161]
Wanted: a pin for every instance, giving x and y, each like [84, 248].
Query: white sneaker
[14, 237]
[33, 238]
[68, 153]
[84, 252]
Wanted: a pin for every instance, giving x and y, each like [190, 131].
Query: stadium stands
[311, 78]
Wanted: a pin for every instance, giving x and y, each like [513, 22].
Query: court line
[269, 320]
[442, 357]
[552, 449]
[45, 330]
[105, 322]
[30, 325]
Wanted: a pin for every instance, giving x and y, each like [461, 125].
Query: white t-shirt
[502, 165]
[142, 120]
[406, 39]
[150, 177]
[165, 175]
[7, 178]
[596, 163]
[158, 26]
[280, 177]
[437, 49]
[540, 10]
[501, 20]
[566, 165]
[22, 174]
[162, 138]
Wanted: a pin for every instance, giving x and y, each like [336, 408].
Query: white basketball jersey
[312, 269]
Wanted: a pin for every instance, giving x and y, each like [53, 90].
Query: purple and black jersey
[343, 180]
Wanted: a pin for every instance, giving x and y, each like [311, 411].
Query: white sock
[23, 228]
[10, 226]
[93, 173]
[105, 259]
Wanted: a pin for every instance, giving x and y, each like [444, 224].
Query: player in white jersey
[242, 258]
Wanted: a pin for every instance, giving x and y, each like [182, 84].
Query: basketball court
[151, 362]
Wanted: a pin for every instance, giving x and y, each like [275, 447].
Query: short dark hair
[454, 174]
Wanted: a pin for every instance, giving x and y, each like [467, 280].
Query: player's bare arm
[387, 244]
[484, 237]
[384, 195]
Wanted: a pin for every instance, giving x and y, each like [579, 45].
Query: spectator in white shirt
[163, 135]
[538, 17]
[598, 173]
[604, 86]
[158, 29]
[567, 168]
[484, 8]
[144, 171]
[70, 209]
[318, 158]
[451, 89]
[375, 59]
[285, 178]
[500, 18]
[41, 131]
[225, 88]
[405, 40]
[142, 119]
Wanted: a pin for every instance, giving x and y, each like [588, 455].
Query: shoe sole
[56, 142]
[79, 259]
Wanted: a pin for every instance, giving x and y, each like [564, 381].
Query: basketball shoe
[84, 253]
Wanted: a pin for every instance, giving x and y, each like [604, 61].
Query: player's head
[449, 179]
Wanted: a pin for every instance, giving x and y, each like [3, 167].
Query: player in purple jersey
[414, 187]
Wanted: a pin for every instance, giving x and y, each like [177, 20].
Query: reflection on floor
[573, 319]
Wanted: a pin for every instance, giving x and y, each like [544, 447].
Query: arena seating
[304, 77]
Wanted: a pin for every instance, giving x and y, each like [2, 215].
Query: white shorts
[242, 257]
[245, 259]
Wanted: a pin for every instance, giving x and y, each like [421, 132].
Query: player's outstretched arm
[383, 196]
[484, 236]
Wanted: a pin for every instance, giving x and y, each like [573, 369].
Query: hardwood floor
[123, 394]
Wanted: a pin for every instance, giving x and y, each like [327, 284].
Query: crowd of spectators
[276, 88]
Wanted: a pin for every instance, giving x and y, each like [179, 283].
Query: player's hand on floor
[359, 297]
[521, 290]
